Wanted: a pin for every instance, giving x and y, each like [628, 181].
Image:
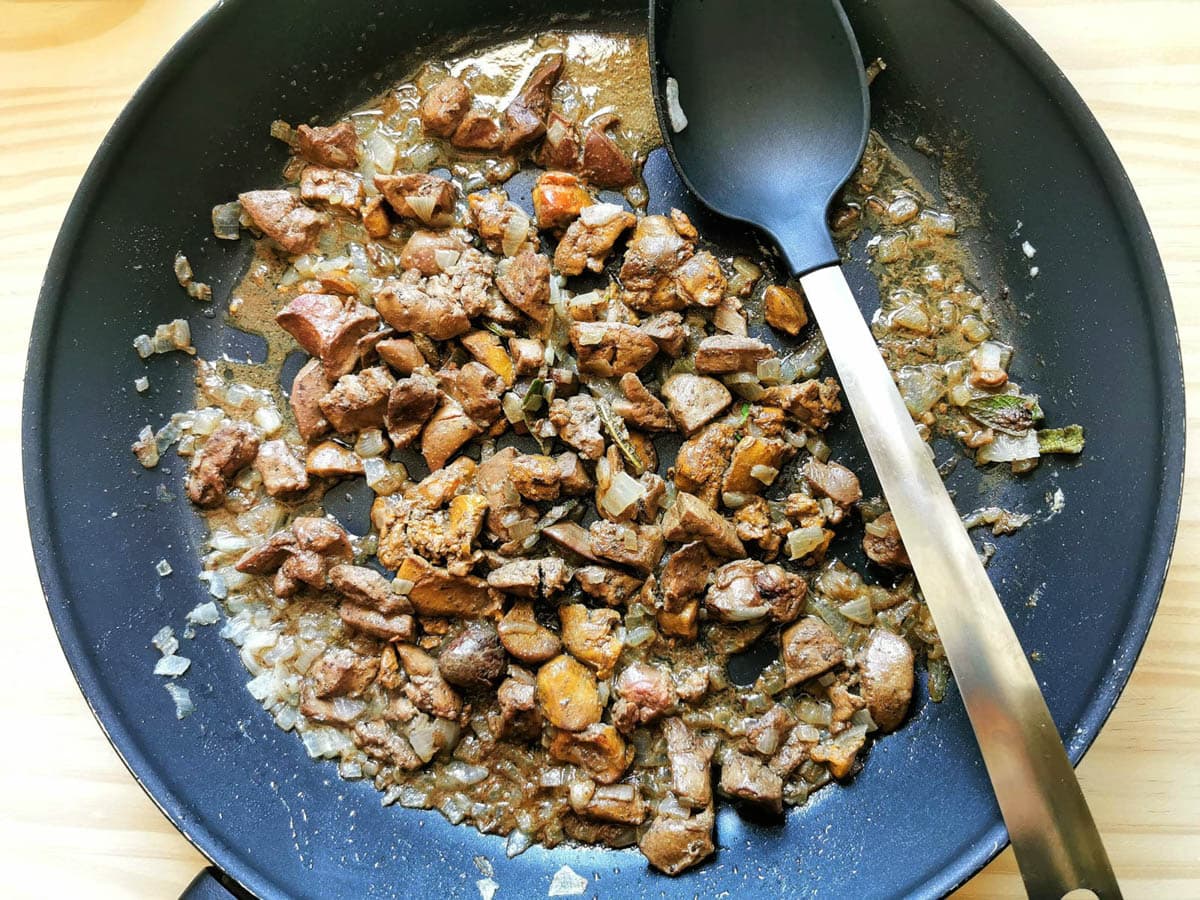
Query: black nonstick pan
[1094, 330]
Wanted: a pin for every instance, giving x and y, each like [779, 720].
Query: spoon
[777, 115]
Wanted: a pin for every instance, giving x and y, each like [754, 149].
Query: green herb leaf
[1008, 413]
[1061, 440]
[533, 397]
[745, 413]
[620, 435]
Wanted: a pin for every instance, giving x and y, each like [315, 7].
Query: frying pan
[1095, 335]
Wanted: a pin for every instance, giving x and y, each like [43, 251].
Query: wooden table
[72, 821]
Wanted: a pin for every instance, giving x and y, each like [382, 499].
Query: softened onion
[446, 259]
[1007, 448]
[227, 221]
[675, 113]
[921, 387]
[382, 152]
[623, 494]
[765, 474]
[516, 232]
[770, 371]
[727, 318]
[858, 610]
[422, 206]
[599, 214]
[804, 541]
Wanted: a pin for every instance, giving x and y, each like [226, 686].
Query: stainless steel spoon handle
[1055, 839]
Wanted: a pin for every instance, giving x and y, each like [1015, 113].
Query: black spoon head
[775, 98]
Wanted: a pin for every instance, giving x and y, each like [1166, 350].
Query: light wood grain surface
[72, 821]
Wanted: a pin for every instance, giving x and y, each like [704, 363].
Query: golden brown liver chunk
[447, 431]
[435, 592]
[690, 518]
[690, 757]
[422, 248]
[675, 843]
[639, 547]
[834, 481]
[598, 749]
[784, 309]
[567, 694]
[810, 403]
[333, 186]
[750, 452]
[358, 401]
[332, 146]
[640, 408]
[407, 308]
[724, 354]
[887, 678]
[694, 400]
[526, 639]
[228, 450]
[282, 472]
[328, 327]
[558, 198]
[809, 648]
[308, 387]
[590, 237]
[883, 545]
[283, 218]
[590, 636]
[577, 420]
[416, 195]
[410, 403]
[608, 349]
[426, 687]
[444, 106]
[525, 283]
[746, 779]
[749, 591]
[366, 587]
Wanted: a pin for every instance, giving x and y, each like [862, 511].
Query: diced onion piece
[675, 113]
[172, 666]
[921, 387]
[370, 443]
[141, 385]
[804, 541]
[383, 477]
[640, 635]
[745, 385]
[727, 318]
[734, 499]
[165, 641]
[765, 474]
[163, 568]
[465, 773]
[770, 371]
[382, 152]
[623, 494]
[143, 345]
[599, 214]
[204, 614]
[991, 355]
[513, 409]
[874, 529]
[268, 419]
[1007, 448]
[592, 333]
[446, 259]
[227, 221]
[814, 712]
[184, 706]
[516, 232]
[858, 610]
[422, 206]
[745, 275]
[423, 155]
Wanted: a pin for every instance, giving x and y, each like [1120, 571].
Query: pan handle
[210, 884]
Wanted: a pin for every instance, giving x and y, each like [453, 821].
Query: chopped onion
[513, 409]
[770, 371]
[172, 666]
[446, 259]
[745, 275]
[204, 614]
[518, 842]
[623, 493]
[422, 206]
[591, 333]
[921, 387]
[814, 712]
[1007, 448]
[516, 232]
[804, 541]
[423, 155]
[165, 641]
[674, 111]
[567, 883]
[991, 355]
[143, 345]
[765, 474]
[734, 499]
[745, 385]
[640, 635]
[382, 153]
[858, 610]
[465, 773]
[728, 318]
[184, 706]
[268, 419]
[141, 385]
[370, 443]
[599, 214]
[227, 221]
[163, 568]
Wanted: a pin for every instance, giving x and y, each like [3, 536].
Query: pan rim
[1162, 327]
